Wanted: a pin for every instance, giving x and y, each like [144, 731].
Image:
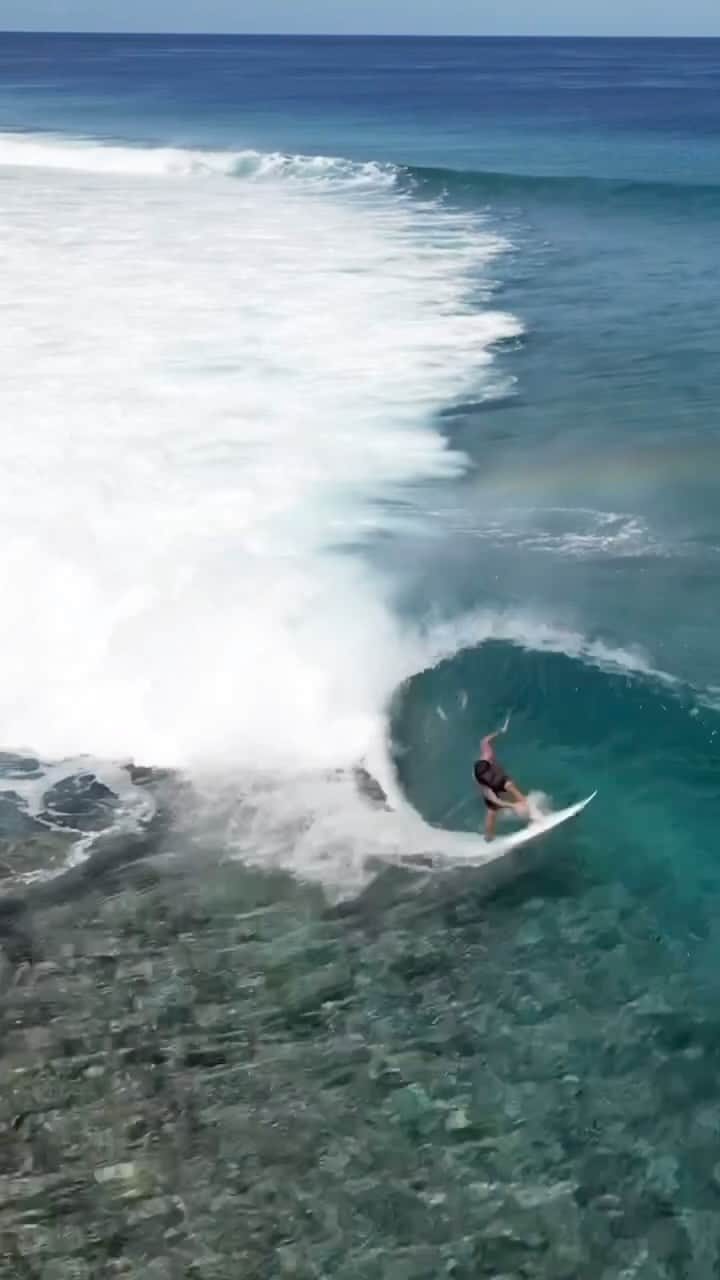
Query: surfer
[498, 790]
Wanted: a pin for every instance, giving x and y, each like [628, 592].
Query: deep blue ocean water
[303, 454]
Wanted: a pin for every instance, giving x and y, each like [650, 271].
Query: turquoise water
[360, 392]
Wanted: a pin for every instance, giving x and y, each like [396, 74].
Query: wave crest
[79, 155]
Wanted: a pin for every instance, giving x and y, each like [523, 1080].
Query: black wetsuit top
[491, 778]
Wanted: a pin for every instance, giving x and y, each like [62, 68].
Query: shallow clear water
[356, 393]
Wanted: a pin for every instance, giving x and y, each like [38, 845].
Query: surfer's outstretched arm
[487, 751]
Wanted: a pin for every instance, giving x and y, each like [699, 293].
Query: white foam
[210, 388]
[78, 155]
[527, 631]
[133, 807]
[575, 532]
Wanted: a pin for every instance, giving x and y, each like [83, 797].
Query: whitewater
[231, 381]
[223, 376]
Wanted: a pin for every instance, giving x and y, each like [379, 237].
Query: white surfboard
[538, 828]
[465, 850]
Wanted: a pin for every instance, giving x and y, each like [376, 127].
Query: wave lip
[86, 155]
[80, 155]
[525, 631]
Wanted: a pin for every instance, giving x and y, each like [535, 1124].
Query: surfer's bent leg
[490, 820]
